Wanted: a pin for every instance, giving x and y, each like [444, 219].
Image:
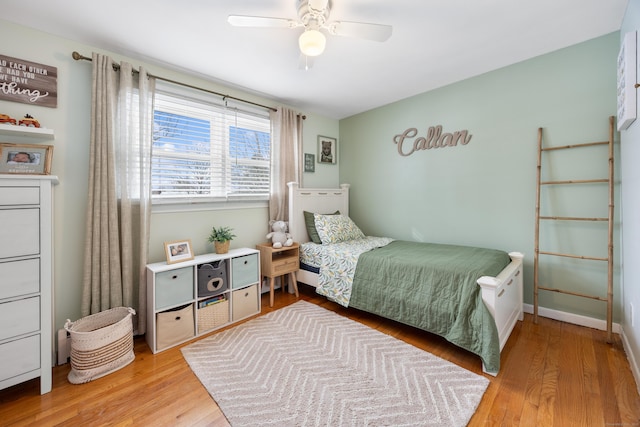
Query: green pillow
[310, 222]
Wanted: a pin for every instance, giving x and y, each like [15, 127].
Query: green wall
[483, 193]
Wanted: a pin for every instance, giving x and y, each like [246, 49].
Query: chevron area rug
[304, 365]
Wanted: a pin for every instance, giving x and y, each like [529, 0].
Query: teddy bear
[279, 235]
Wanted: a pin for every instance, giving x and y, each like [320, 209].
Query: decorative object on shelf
[25, 158]
[309, 162]
[29, 121]
[28, 82]
[4, 118]
[627, 81]
[327, 150]
[279, 236]
[178, 251]
[221, 238]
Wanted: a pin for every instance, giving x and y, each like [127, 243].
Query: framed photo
[327, 150]
[25, 158]
[309, 162]
[178, 251]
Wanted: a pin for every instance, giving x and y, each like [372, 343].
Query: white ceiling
[434, 42]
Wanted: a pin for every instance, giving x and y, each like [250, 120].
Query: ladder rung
[573, 256]
[588, 144]
[560, 291]
[575, 181]
[573, 218]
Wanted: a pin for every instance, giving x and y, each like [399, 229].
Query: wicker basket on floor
[100, 344]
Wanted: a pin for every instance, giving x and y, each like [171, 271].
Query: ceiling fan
[313, 15]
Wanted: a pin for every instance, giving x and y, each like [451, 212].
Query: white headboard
[316, 200]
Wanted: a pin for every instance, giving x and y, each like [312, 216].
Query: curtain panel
[286, 153]
[118, 209]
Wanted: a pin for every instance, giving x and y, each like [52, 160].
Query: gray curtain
[118, 209]
[286, 158]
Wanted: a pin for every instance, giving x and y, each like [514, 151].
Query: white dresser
[26, 279]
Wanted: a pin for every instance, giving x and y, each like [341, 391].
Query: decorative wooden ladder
[609, 220]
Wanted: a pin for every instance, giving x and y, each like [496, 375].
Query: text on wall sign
[409, 144]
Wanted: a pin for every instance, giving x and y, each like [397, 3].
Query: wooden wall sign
[407, 145]
[28, 82]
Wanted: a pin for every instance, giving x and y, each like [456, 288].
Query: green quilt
[433, 287]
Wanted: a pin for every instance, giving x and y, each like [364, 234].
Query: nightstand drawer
[174, 287]
[244, 270]
[284, 265]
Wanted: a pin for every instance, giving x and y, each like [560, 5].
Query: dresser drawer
[19, 357]
[174, 287]
[19, 317]
[244, 270]
[11, 196]
[21, 227]
[244, 302]
[19, 277]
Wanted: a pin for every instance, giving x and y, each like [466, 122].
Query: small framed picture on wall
[327, 150]
[309, 162]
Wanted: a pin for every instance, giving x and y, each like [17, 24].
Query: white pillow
[336, 228]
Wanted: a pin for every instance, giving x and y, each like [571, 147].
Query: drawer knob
[246, 294]
[517, 273]
[510, 282]
[246, 262]
[178, 317]
[174, 277]
[501, 292]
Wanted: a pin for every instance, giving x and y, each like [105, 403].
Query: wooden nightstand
[279, 262]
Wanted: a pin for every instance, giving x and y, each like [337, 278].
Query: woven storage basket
[213, 316]
[100, 344]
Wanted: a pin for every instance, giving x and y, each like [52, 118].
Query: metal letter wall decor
[434, 139]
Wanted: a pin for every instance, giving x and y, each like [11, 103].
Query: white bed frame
[501, 294]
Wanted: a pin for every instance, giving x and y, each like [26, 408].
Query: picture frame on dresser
[31, 159]
[178, 251]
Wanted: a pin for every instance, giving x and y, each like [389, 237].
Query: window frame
[190, 95]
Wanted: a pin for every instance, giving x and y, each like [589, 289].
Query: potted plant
[221, 238]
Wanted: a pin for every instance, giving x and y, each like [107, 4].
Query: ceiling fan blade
[305, 62]
[259, 21]
[375, 32]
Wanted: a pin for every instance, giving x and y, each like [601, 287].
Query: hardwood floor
[553, 374]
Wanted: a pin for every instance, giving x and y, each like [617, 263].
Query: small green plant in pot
[221, 238]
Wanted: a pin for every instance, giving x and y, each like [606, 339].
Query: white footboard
[503, 296]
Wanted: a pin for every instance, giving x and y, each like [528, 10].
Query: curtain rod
[79, 57]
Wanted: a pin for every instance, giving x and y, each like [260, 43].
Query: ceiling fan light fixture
[312, 42]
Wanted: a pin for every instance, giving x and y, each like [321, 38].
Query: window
[206, 150]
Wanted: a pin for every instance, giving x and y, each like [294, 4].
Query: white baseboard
[633, 363]
[575, 319]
